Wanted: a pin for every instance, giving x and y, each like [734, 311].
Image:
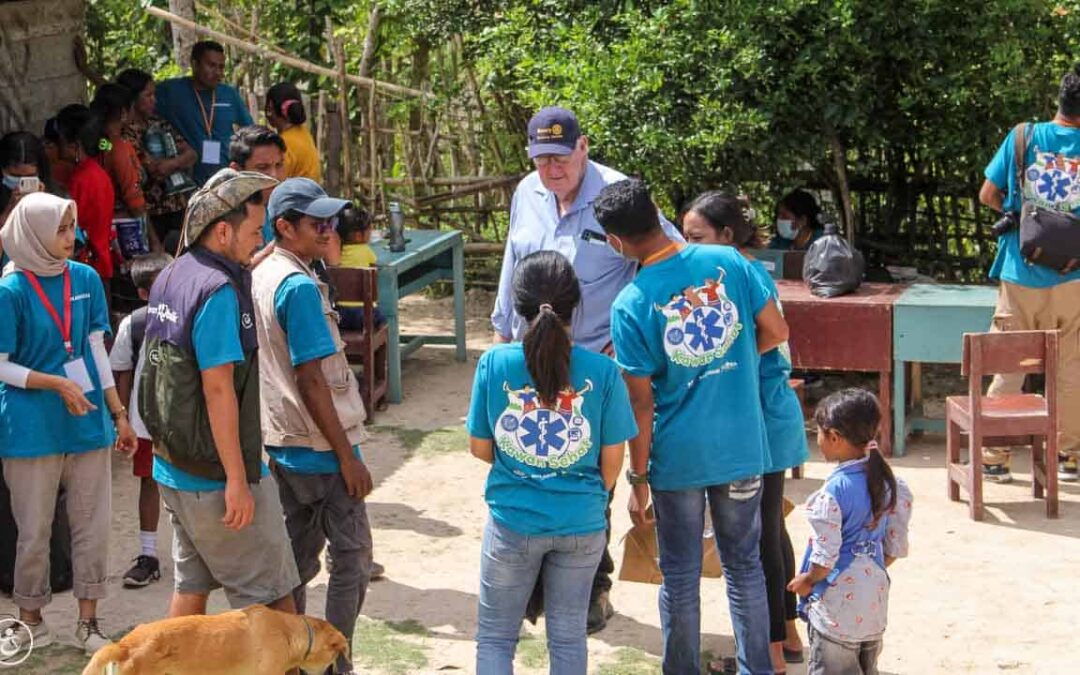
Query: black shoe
[145, 570]
[600, 610]
[997, 473]
[377, 571]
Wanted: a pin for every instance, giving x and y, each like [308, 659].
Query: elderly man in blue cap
[312, 414]
[552, 211]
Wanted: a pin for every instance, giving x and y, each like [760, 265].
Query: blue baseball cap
[303, 195]
[553, 131]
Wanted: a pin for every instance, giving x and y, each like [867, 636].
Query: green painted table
[929, 322]
[429, 256]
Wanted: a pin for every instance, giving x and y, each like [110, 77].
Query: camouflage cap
[226, 190]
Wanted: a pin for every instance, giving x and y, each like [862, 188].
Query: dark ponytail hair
[722, 210]
[285, 99]
[76, 124]
[110, 101]
[546, 293]
[855, 415]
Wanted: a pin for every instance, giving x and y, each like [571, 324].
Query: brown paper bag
[641, 555]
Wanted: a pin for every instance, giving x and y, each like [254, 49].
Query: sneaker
[1067, 469]
[600, 610]
[145, 570]
[377, 571]
[28, 636]
[88, 635]
[997, 473]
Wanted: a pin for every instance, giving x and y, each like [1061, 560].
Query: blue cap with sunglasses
[553, 131]
[306, 196]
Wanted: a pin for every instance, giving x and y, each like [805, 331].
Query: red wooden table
[852, 332]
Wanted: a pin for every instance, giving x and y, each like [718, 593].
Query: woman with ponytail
[81, 140]
[551, 418]
[285, 112]
[718, 218]
[860, 522]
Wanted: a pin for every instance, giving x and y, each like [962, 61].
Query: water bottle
[397, 228]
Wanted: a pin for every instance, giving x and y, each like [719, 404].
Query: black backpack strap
[138, 332]
[1021, 137]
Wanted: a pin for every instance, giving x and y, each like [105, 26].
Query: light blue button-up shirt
[535, 225]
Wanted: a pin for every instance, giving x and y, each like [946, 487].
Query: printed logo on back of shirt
[700, 324]
[544, 437]
[1051, 181]
[163, 313]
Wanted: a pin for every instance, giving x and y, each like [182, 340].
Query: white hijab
[29, 229]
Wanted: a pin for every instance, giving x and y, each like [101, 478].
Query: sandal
[793, 655]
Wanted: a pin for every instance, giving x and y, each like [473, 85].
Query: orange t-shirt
[123, 166]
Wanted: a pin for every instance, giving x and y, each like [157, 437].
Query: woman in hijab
[58, 410]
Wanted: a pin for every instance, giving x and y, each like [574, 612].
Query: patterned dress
[852, 604]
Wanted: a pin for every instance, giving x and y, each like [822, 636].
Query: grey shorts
[254, 565]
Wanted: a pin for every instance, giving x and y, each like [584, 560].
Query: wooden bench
[367, 347]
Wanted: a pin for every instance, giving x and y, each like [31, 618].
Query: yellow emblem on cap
[556, 130]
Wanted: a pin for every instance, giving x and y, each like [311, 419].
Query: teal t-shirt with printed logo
[1051, 180]
[688, 323]
[545, 479]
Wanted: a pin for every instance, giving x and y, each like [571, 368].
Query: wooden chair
[367, 347]
[800, 391]
[1009, 418]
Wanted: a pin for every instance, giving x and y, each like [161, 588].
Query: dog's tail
[104, 661]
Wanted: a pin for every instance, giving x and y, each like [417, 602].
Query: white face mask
[786, 228]
[617, 250]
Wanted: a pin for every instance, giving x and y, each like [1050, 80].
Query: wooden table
[853, 332]
[929, 322]
[429, 256]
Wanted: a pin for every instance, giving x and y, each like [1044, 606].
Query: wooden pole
[343, 111]
[292, 62]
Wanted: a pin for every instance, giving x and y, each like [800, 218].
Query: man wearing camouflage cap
[199, 397]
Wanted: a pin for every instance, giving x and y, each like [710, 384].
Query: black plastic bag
[832, 267]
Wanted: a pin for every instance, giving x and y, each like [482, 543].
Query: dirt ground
[972, 598]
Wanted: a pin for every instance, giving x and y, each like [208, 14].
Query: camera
[1007, 223]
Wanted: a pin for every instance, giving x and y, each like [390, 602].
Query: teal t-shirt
[785, 428]
[267, 229]
[688, 323]
[1050, 181]
[177, 103]
[546, 480]
[35, 422]
[215, 336]
[298, 306]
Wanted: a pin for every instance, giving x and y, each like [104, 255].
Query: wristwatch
[637, 478]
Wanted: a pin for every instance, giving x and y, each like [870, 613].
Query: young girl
[285, 112]
[717, 218]
[551, 418]
[860, 521]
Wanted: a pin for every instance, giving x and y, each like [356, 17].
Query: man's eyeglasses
[324, 225]
[557, 160]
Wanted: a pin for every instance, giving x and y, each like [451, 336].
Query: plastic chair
[1000, 419]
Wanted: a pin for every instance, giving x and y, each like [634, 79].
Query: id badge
[76, 371]
[211, 152]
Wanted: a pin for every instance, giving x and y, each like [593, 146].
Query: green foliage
[386, 647]
[119, 35]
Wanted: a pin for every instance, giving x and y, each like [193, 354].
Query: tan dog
[256, 640]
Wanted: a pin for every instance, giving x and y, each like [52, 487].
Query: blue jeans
[509, 565]
[680, 524]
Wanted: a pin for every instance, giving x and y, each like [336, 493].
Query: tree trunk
[183, 38]
[840, 167]
[371, 41]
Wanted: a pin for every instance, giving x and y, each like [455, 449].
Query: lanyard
[208, 120]
[65, 325]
